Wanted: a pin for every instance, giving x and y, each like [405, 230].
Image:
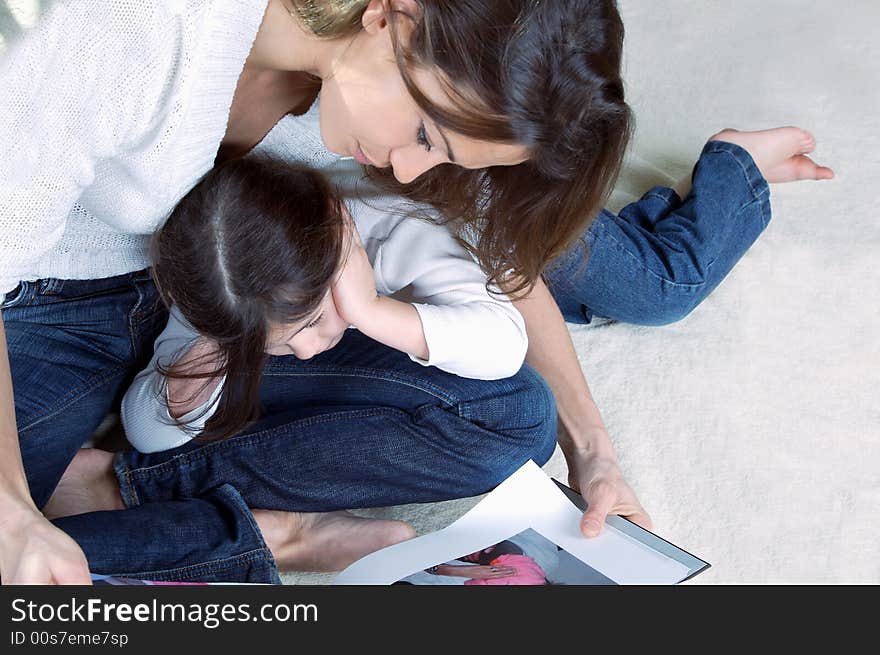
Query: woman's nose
[409, 162]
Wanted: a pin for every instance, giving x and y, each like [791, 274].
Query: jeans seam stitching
[215, 566]
[247, 440]
[370, 374]
[744, 168]
[696, 285]
[132, 319]
[659, 196]
[661, 278]
[22, 292]
[91, 385]
[132, 495]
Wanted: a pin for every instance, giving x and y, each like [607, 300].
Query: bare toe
[799, 167]
[808, 144]
[771, 149]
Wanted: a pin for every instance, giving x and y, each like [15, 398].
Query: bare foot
[326, 541]
[88, 485]
[780, 154]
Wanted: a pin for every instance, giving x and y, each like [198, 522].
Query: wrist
[16, 511]
[364, 315]
[590, 441]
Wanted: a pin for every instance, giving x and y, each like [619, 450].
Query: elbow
[507, 360]
[516, 357]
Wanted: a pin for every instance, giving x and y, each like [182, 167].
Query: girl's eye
[315, 322]
[422, 138]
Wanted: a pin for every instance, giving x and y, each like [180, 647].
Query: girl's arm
[389, 321]
[593, 468]
[449, 319]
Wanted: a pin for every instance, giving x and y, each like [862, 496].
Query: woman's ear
[375, 16]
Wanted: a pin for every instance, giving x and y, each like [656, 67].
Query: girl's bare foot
[780, 154]
[88, 485]
[326, 541]
[300, 541]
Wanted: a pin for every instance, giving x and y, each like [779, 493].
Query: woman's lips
[360, 157]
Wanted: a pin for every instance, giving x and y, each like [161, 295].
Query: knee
[526, 429]
[530, 424]
[670, 308]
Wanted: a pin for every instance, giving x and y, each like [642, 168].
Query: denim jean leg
[361, 426]
[661, 256]
[73, 345]
[71, 349]
[208, 539]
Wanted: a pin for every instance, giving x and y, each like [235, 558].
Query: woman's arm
[32, 550]
[593, 468]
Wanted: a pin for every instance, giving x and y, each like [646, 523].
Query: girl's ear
[375, 16]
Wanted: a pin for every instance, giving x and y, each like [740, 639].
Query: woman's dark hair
[256, 242]
[544, 74]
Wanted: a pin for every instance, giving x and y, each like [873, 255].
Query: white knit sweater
[110, 111]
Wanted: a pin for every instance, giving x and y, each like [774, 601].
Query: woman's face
[367, 113]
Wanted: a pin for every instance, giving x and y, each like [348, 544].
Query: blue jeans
[358, 426]
[661, 256]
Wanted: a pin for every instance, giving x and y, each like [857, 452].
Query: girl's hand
[354, 290]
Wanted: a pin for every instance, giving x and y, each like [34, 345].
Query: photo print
[527, 558]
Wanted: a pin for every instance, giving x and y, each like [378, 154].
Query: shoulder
[107, 48]
[115, 24]
[386, 217]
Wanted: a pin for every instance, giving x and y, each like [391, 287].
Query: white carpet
[751, 430]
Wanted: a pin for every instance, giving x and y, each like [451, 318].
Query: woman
[131, 107]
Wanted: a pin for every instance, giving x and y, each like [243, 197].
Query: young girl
[260, 258]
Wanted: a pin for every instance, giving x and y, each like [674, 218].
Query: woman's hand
[36, 552]
[354, 290]
[597, 477]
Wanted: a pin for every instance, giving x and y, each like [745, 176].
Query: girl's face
[307, 338]
[367, 113]
[325, 327]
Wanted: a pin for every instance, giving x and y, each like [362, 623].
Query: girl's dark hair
[544, 74]
[255, 242]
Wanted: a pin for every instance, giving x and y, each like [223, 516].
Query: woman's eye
[422, 138]
[315, 322]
